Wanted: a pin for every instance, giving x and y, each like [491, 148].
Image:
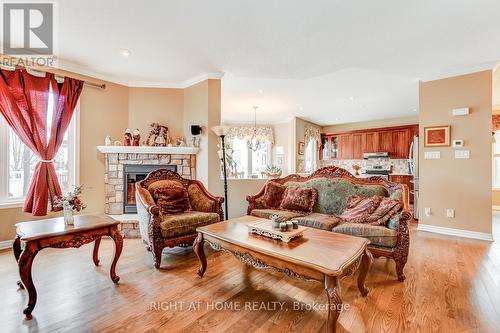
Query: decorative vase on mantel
[68, 215]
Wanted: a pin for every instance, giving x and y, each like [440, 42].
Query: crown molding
[491, 66]
[82, 70]
[181, 85]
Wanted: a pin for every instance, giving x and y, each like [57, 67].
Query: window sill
[496, 189]
[11, 204]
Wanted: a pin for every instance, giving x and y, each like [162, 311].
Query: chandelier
[254, 143]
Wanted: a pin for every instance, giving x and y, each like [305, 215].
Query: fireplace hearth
[133, 173]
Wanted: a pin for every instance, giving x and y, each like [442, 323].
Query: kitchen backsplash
[399, 166]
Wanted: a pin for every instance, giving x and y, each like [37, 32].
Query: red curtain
[24, 104]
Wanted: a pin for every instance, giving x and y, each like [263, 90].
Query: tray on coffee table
[265, 228]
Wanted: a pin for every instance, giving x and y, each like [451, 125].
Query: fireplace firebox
[133, 173]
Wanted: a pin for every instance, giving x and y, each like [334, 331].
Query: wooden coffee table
[319, 255]
[36, 235]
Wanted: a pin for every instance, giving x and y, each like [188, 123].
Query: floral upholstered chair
[170, 209]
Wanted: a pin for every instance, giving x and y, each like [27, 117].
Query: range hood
[381, 154]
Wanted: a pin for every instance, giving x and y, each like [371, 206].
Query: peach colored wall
[299, 137]
[464, 185]
[161, 105]
[370, 124]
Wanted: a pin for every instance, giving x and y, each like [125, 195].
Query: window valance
[496, 122]
[263, 133]
[312, 133]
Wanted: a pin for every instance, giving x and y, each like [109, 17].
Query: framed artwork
[437, 136]
[301, 148]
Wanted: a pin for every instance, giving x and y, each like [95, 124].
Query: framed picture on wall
[437, 136]
[302, 146]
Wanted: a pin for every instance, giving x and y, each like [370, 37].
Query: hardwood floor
[452, 285]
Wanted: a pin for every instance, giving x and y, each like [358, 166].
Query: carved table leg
[95, 254]
[25, 262]
[16, 248]
[366, 263]
[118, 239]
[332, 288]
[200, 253]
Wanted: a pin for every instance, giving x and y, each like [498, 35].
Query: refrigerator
[413, 168]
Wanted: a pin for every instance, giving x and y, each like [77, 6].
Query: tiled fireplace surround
[114, 183]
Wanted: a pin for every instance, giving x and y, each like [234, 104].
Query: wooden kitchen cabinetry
[352, 145]
[403, 179]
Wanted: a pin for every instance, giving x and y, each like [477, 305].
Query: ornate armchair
[160, 230]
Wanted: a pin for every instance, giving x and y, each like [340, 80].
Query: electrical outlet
[432, 155]
[450, 212]
[427, 211]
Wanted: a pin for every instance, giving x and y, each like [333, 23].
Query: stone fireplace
[137, 162]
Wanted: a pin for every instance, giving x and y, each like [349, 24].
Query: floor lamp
[221, 132]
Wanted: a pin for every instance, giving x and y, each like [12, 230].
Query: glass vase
[68, 216]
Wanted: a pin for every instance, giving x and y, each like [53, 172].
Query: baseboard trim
[5, 244]
[495, 207]
[455, 232]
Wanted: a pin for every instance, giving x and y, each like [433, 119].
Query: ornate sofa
[169, 230]
[335, 186]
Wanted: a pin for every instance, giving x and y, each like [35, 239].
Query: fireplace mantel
[148, 150]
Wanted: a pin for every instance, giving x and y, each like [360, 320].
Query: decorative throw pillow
[358, 209]
[273, 194]
[172, 199]
[300, 199]
[387, 208]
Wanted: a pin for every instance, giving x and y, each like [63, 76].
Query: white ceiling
[315, 54]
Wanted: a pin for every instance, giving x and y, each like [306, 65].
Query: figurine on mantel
[127, 140]
[181, 142]
[158, 136]
[136, 138]
[108, 141]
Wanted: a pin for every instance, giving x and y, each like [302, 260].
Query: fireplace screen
[133, 173]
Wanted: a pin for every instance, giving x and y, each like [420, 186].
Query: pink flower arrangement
[71, 200]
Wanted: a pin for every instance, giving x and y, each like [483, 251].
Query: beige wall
[464, 185]
[161, 105]
[282, 138]
[370, 124]
[299, 137]
[196, 113]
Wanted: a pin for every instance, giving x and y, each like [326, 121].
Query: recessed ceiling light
[351, 98]
[301, 108]
[125, 52]
[261, 91]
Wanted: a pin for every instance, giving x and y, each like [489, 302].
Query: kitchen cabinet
[352, 145]
[357, 146]
[345, 147]
[403, 179]
[400, 147]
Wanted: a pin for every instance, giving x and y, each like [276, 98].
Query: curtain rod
[85, 82]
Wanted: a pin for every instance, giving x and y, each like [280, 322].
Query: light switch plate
[450, 212]
[427, 211]
[462, 154]
[432, 155]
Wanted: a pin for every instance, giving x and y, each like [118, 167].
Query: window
[17, 162]
[496, 160]
[249, 163]
[310, 156]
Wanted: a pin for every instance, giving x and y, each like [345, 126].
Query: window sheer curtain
[24, 104]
